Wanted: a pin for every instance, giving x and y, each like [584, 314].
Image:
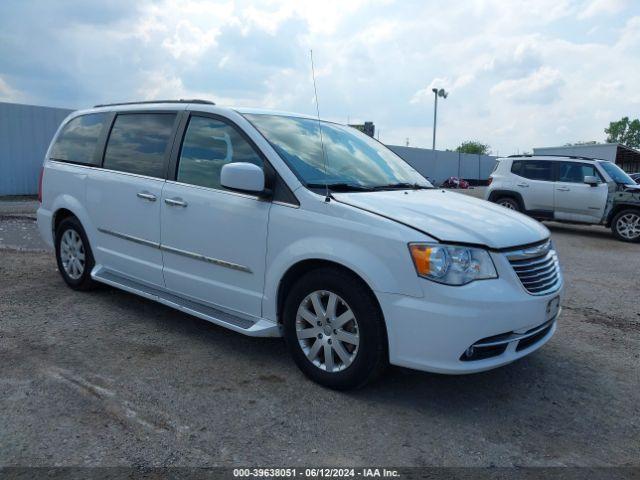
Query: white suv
[276, 224]
[568, 189]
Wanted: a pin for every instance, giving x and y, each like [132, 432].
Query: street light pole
[436, 93]
[435, 116]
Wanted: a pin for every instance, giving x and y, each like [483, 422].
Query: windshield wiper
[341, 187]
[402, 186]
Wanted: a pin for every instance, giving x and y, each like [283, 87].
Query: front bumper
[434, 333]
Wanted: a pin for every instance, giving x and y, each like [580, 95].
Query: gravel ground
[106, 378]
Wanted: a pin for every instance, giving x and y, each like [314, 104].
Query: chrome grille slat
[536, 272]
[543, 286]
[534, 262]
[537, 268]
[534, 266]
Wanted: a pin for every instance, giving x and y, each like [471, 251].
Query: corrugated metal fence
[25, 133]
[439, 165]
[26, 130]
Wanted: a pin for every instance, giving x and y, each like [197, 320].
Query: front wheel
[334, 329]
[626, 226]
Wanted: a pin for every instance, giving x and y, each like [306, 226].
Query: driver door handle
[563, 189]
[175, 202]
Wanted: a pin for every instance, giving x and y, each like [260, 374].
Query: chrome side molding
[215, 261]
[177, 251]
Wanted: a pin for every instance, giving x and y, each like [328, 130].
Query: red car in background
[455, 182]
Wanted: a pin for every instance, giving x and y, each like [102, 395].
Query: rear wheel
[626, 225]
[73, 255]
[509, 203]
[334, 329]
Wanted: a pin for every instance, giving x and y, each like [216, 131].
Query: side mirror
[591, 180]
[242, 176]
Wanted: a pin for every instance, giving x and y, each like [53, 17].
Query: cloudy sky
[520, 74]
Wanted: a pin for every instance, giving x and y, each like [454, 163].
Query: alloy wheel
[72, 254]
[327, 331]
[628, 226]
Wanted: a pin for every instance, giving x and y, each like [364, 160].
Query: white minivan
[275, 224]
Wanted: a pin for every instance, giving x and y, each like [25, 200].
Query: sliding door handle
[147, 196]
[175, 202]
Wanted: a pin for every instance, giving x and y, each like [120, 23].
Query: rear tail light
[40, 185]
[490, 180]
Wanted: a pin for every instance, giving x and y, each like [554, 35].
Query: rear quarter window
[516, 167]
[534, 169]
[78, 140]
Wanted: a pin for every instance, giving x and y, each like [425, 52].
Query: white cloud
[603, 7]
[426, 94]
[9, 94]
[542, 86]
[189, 40]
[520, 73]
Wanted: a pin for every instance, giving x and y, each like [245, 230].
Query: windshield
[352, 158]
[616, 173]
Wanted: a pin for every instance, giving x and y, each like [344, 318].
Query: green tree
[473, 146]
[624, 131]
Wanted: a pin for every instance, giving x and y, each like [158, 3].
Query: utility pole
[436, 93]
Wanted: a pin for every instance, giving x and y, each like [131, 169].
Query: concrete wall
[604, 151]
[439, 165]
[25, 134]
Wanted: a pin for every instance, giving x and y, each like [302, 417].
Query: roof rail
[550, 155]
[144, 102]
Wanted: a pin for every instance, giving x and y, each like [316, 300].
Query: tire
[626, 225]
[348, 356]
[509, 203]
[73, 255]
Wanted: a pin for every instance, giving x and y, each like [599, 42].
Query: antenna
[327, 197]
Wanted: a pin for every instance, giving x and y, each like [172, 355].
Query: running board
[255, 328]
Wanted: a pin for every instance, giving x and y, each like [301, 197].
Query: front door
[575, 200]
[123, 198]
[214, 240]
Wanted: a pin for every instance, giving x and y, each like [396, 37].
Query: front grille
[537, 268]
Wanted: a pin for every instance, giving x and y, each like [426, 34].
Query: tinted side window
[516, 167]
[78, 139]
[138, 143]
[572, 172]
[208, 145]
[537, 170]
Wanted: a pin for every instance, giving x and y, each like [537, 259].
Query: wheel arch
[302, 267]
[496, 194]
[67, 205]
[617, 208]
[59, 215]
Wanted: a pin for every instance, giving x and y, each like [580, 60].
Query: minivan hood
[451, 217]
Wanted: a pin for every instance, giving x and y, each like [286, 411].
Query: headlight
[451, 264]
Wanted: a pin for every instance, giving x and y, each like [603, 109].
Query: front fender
[373, 247]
